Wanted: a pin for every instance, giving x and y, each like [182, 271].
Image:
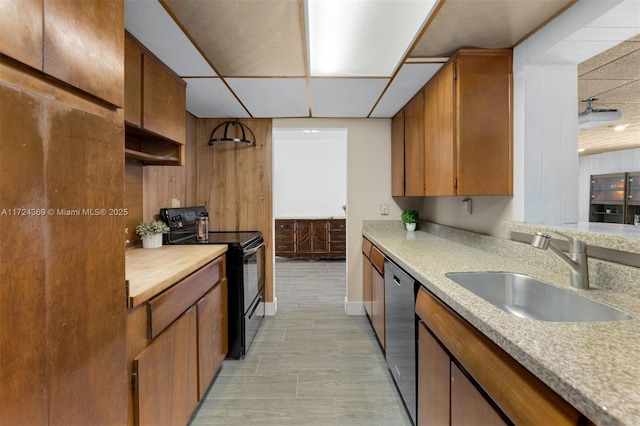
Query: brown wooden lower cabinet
[468, 405]
[366, 276]
[213, 343]
[167, 375]
[311, 239]
[377, 295]
[487, 386]
[433, 381]
[172, 369]
[373, 288]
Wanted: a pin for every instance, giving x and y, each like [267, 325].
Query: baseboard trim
[270, 308]
[353, 308]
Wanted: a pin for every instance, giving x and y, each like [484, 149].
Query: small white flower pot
[152, 241]
[411, 227]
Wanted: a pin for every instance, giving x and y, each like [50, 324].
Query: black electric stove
[245, 272]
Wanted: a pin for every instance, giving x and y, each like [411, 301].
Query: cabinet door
[132, 82]
[377, 305]
[304, 236]
[366, 285]
[433, 380]
[397, 154]
[167, 374]
[21, 31]
[468, 406]
[319, 236]
[23, 292]
[84, 46]
[212, 334]
[414, 146]
[483, 120]
[164, 102]
[439, 145]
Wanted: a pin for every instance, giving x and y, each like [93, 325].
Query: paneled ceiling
[613, 77]
[250, 58]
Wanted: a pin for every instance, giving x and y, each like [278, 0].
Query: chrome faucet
[577, 258]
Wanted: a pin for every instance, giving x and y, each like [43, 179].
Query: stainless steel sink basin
[530, 298]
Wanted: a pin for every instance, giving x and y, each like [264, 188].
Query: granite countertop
[594, 366]
[150, 271]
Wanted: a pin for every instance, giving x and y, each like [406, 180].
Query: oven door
[253, 286]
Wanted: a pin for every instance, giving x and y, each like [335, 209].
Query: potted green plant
[151, 233]
[410, 219]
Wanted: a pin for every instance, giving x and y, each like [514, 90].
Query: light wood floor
[310, 364]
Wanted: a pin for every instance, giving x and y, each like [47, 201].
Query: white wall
[627, 160]
[309, 174]
[368, 185]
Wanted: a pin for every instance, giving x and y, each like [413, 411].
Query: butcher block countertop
[150, 271]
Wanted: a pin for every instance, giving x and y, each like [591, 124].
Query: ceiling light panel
[362, 37]
[408, 81]
[344, 97]
[209, 97]
[248, 38]
[147, 21]
[487, 24]
[272, 97]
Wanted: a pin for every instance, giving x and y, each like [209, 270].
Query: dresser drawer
[337, 247]
[285, 237]
[337, 236]
[337, 224]
[166, 307]
[285, 248]
[285, 225]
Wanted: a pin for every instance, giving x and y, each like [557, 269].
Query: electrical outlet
[384, 209]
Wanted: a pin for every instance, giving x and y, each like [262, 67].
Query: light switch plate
[384, 209]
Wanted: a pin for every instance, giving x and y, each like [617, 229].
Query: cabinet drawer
[336, 225]
[285, 225]
[337, 247]
[285, 247]
[166, 307]
[337, 236]
[285, 237]
[377, 259]
[366, 247]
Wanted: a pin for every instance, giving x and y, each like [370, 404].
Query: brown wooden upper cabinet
[155, 108]
[414, 145]
[458, 140]
[44, 35]
[397, 154]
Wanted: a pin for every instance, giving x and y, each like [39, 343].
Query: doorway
[309, 201]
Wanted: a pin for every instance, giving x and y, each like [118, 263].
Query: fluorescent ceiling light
[366, 38]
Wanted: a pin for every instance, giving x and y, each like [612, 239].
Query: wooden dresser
[311, 239]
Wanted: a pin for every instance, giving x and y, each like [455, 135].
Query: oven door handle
[253, 311]
[253, 250]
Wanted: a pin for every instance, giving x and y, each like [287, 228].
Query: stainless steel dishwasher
[399, 293]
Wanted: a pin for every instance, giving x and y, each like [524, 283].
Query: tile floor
[310, 364]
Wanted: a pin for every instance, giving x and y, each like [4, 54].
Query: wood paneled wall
[235, 184]
[133, 195]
